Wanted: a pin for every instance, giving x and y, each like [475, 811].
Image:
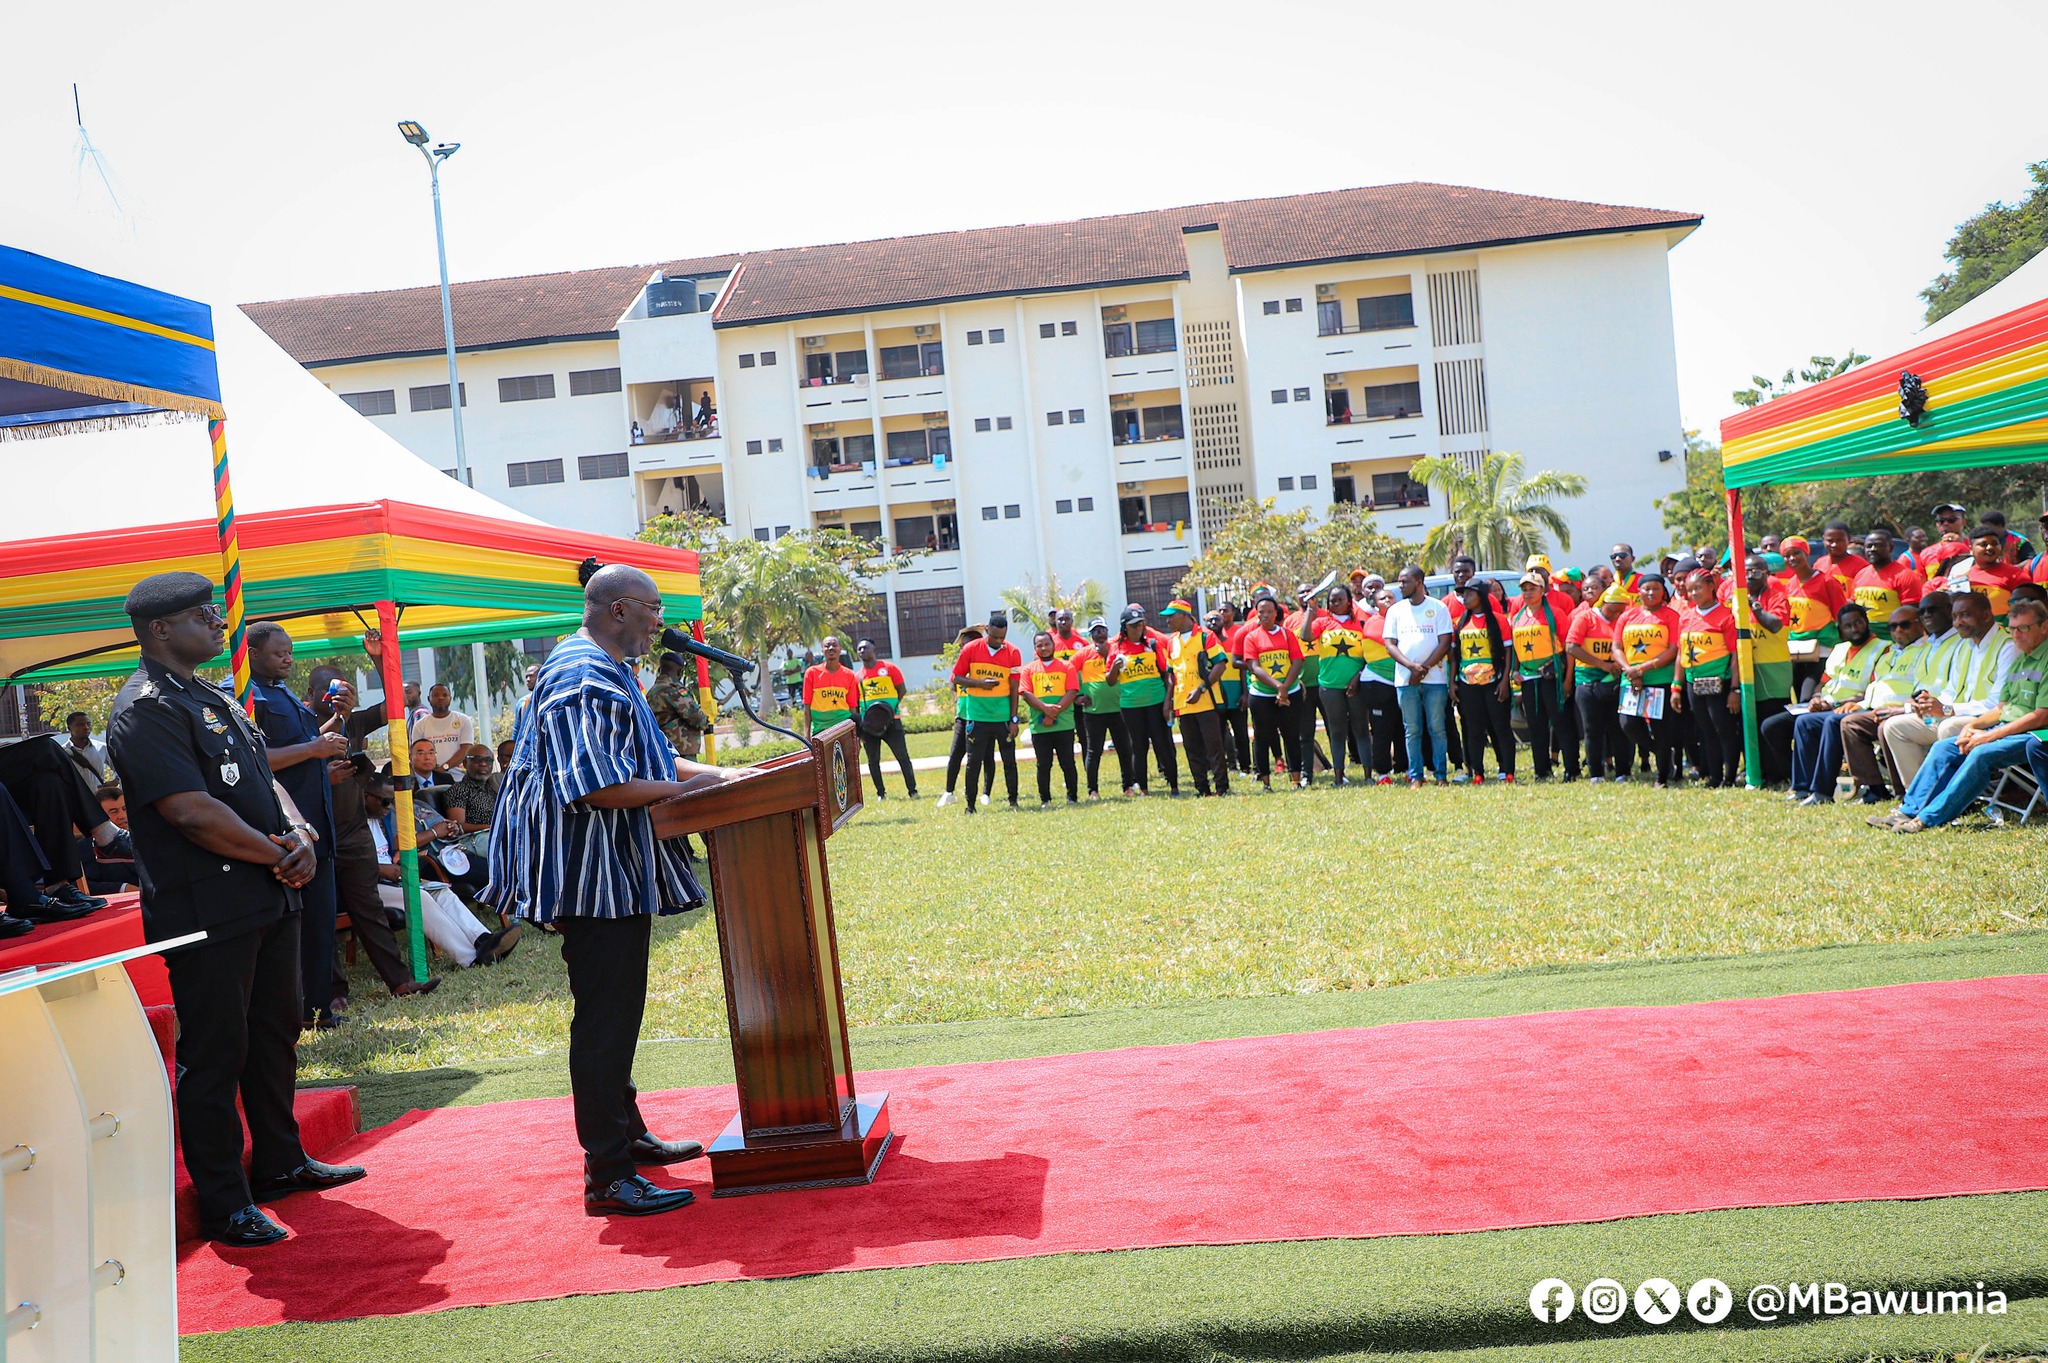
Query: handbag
[1706, 686]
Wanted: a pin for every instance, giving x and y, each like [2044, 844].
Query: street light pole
[417, 135]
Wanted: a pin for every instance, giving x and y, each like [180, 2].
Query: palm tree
[1032, 606]
[1494, 514]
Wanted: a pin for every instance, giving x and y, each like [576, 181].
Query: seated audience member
[470, 802]
[1852, 666]
[1964, 683]
[1899, 678]
[447, 922]
[1960, 769]
[430, 779]
[21, 866]
[1986, 570]
[106, 870]
[54, 796]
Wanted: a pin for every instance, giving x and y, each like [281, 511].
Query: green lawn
[1138, 903]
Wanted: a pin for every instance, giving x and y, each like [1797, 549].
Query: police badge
[230, 770]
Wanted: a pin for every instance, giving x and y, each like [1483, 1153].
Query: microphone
[675, 641]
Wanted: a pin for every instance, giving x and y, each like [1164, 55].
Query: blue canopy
[82, 347]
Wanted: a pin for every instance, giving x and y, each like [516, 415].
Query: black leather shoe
[46, 909]
[248, 1228]
[10, 926]
[71, 897]
[411, 987]
[494, 947]
[635, 1196]
[312, 1176]
[651, 1149]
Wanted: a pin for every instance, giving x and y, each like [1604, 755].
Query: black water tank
[670, 297]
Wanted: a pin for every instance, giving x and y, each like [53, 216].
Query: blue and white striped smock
[586, 727]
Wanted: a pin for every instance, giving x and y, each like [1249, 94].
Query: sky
[1831, 149]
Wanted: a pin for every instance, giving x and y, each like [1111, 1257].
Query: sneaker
[1874, 795]
[970, 808]
[1045, 804]
[1414, 783]
[1909, 826]
[1507, 778]
[1891, 820]
[1385, 781]
[1465, 779]
[912, 795]
[1134, 792]
[1095, 795]
[1343, 783]
[1817, 798]
[945, 799]
[1302, 784]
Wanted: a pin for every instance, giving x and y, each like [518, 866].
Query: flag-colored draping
[458, 578]
[76, 346]
[1987, 403]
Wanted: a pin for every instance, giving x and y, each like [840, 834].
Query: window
[850, 363]
[1046, 331]
[1076, 416]
[1301, 395]
[1162, 423]
[901, 362]
[1151, 587]
[1085, 504]
[1337, 405]
[818, 369]
[1116, 340]
[761, 533]
[1398, 490]
[873, 624]
[1012, 511]
[768, 358]
[775, 445]
[1070, 328]
[926, 621]
[1386, 312]
[865, 530]
[1003, 423]
[907, 447]
[1393, 400]
[1279, 395]
[942, 441]
[914, 532]
[1272, 307]
[989, 513]
[1157, 336]
[533, 473]
[1287, 485]
[974, 338]
[1064, 506]
[383, 402]
[1344, 490]
[1308, 482]
[591, 466]
[1169, 507]
[995, 335]
[1294, 305]
[585, 383]
[526, 388]
[824, 452]
[433, 397]
[1329, 317]
[860, 449]
[934, 357]
[1055, 418]
[781, 530]
[747, 362]
[982, 423]
[1131, 514]
[753, 447]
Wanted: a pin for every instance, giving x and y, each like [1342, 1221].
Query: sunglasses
[654, 606]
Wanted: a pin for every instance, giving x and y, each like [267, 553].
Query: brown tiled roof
[488, 312]
[863, 276]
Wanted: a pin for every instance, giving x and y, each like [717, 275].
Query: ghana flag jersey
[1190, 653]
[1379, 664]
[828, 695]
[1771, 649]
[1536, 639]
[1478, 665]
[882, 684]
[1049, 682]
[994, 664]
[1065, 646]
[1339, 648]
[1706, 641]
[1883, 590]
[1233, 675]
[1275, 650]
[1813, 605]
[1843, 570]
[1641, 634]
[1311, 665]
[1594, 633]
[1995, 582]
[1143, 681]
[1096, 687]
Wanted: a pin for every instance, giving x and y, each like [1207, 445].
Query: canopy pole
[1745, 646]
[230, 562]
[406, 839]
[704, 696]
[483, 695]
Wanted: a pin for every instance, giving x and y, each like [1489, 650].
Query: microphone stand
[739, 686]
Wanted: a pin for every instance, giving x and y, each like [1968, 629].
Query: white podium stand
[88, 1240]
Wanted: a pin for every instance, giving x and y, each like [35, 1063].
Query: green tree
[1495, 514]
[1284, 548]
[504, 661]
[1819, 369]
[1988, 247]
[1031, 605]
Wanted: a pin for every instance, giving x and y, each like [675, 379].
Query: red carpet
[1911, 1091]
[117, 927]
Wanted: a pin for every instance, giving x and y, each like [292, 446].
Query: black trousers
[54, 793]
[893, 736]
[1149, 728]
[1201, 734]
[1274, 730]
[1345, 721]
[355, 893]
[1774, 741]
[1057, 745]
[1454, 742]
[1098, 730]
[958, 757]
[985, 738]
[607, 961]
[1487, 718]
[22, 868]
[316, 940]
[1719, 734]
[1543, 712]
[1806, 677]
[1238, 720]
[1383, 717]
[1305, 708]
[1565, 733]
[1662, 737]
[1600, 723]
[238, 1034]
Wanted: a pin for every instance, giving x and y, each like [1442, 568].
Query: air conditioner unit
[1326, 290]
[936, 419]
[814, 343]
[1333, 380]
[924, 333]
[1112, 314]
[1128, 487]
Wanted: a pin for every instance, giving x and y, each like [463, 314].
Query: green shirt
[1096, 688]
[2026, 687]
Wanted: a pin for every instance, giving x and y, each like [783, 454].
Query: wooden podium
[800, 1124]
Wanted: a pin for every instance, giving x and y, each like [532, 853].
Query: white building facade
[1081, 400]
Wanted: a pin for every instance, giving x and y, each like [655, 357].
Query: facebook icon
[1551, 1300]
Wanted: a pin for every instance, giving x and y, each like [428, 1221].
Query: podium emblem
[839, 791]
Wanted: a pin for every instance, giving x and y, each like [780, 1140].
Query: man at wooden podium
[573, 845]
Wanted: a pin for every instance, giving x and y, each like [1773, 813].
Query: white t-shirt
[448, 733]
[1415, 629]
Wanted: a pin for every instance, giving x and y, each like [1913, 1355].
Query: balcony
[1158, 545]
[689, 450]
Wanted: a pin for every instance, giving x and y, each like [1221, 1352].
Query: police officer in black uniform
[217, 852]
